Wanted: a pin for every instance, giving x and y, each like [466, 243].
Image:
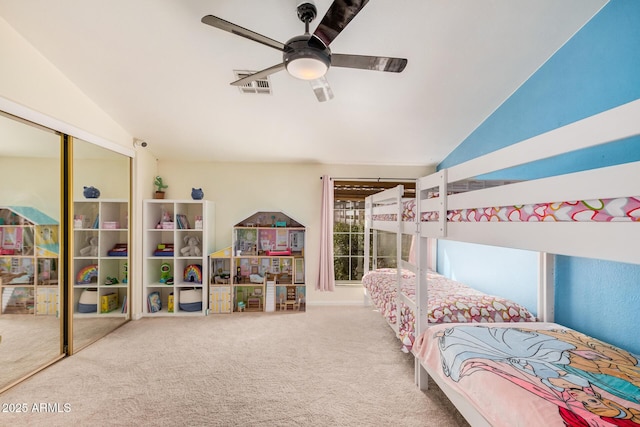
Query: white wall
[21, 175]
[29, 80]
[143, 171]
[108, 176]
[241, 189]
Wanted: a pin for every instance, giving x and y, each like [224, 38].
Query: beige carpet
[328, 366]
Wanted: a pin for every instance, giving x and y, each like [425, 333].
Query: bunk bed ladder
[425, 258]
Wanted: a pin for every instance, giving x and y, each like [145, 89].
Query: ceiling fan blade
[340, 13]
[377, 63]
[258, 75]
[220, 23]
[322, 89]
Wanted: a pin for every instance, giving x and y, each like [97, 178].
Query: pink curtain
[326, 276]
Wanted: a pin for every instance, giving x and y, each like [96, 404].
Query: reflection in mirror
[101, 189]
[30, 320]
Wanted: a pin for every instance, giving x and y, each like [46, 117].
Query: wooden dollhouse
[28, 261]
[264, 268]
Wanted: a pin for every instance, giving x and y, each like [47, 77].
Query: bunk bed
[393, 290]
[549, 374]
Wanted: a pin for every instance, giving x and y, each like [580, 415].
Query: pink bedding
[534, 374]
[449, 301]
[600, 210]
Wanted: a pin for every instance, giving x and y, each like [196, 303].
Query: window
[348, 228]
[348, 240]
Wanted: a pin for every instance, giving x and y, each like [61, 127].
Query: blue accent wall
[509, 273]
[598, 69]
[590, 283]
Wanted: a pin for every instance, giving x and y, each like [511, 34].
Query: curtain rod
[371, 179]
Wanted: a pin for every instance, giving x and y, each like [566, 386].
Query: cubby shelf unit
[174, 282]
[101, 258]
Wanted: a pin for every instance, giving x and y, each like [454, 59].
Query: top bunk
[591, 213]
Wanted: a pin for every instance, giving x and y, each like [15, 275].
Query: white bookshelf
[177, 280]
[101, 257]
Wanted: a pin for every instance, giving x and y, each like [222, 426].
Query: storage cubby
[178, 237]
[101, 257]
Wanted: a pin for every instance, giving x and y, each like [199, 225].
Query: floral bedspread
[448, 301]
[600, 210]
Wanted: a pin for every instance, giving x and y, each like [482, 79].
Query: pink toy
[279, 253]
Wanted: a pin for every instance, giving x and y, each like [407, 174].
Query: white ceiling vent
[257, 86]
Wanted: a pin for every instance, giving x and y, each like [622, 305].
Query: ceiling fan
[308, 56]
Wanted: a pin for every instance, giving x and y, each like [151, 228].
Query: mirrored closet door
[30, 261]
[100, 242]
[64, 255]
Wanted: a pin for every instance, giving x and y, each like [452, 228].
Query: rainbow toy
[193, 273]
[86, 274]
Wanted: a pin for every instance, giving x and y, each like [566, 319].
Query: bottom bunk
[448, 301]
[531, 375]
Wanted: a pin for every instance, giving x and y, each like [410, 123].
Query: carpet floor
[328, 366]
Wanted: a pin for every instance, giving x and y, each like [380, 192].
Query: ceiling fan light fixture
[303, 61]
[307, 68]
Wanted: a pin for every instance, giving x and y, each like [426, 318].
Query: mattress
[550, 375]
[598, 210]
[448, 301]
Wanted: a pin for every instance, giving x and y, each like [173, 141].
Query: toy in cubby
[164, 249]
[193, 273]
[86, 274]
[119, 249]
[165, 274]
[92, 247]
[111, 281]
[108, 302]
[191, 248]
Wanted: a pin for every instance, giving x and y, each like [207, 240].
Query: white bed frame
[614, 239]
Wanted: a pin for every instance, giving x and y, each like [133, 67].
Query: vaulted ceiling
[164, 76]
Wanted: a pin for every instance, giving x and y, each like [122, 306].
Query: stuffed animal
[191, 248]
[92, 247]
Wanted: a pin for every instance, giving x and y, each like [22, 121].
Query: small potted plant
[160, 188]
